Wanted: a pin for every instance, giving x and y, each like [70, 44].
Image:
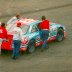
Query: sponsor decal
[38, 38]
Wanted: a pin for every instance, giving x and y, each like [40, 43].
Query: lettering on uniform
[15, 32]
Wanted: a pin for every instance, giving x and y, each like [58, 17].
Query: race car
[31, 34]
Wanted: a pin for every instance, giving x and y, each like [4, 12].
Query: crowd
[17, 34]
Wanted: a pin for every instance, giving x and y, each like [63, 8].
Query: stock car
[31, 34]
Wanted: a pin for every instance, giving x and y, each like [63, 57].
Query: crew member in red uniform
[44, 26]
[3, 34]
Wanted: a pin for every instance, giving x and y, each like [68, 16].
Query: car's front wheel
[31, 46]
[60, 35]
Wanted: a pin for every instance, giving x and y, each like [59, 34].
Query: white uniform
[12, 20]
[0, 44]
[17, 34]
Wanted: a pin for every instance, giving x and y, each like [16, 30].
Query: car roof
[29, 21]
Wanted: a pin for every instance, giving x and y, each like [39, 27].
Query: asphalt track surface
[58, 58]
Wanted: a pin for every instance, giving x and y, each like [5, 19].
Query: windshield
[25, 29]
[11, 25]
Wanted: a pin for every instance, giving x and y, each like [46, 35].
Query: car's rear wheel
[3, 52]
[60, 35]
[31, 46]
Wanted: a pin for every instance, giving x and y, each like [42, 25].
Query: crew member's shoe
[42, 49]
[14, 57]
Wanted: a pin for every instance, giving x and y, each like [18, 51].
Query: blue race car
[31, 34]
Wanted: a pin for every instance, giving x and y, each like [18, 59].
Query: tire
[3, 52]
[31, 47]
[60, 35]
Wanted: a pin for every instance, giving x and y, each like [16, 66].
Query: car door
[35, 34]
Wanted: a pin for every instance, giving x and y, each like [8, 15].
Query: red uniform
[3, 32]
[44, 24]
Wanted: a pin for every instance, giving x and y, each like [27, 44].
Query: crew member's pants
[16, 49]
[44, 37]
[0, 44]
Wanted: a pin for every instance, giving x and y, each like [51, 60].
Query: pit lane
[58, 58]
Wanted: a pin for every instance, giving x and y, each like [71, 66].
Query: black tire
[3, 52]
[31, 46]
[60, 35]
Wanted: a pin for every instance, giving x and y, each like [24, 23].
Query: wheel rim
[60, 36]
